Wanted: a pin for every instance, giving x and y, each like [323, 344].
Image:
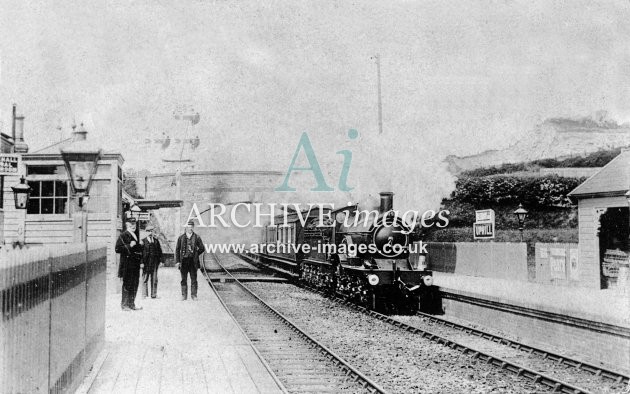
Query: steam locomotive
[371, 262]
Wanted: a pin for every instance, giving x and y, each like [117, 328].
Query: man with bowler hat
[189, 248]
[151, 258]
[130, 263]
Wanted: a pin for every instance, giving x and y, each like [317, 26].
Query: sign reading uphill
[483, 228]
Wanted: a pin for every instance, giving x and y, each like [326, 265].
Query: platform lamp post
[135, 211]
[21, 193]
[521, 214]
[81, 160]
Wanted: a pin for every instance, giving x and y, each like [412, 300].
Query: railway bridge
[201, 188]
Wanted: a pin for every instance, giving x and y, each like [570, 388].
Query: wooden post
[380, 103]
[79, 225]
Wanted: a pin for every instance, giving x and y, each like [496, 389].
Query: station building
[603, 208]
[48, 218]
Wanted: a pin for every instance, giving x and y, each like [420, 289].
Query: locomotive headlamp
[427, 280]
[373, 280]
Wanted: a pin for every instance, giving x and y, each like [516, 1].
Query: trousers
[130, 287]
[150, 276]
[188, 267]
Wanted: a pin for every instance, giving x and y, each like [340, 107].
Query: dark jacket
[197, 250]
[151, 254]
[129, 256]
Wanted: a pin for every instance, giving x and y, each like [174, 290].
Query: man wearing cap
[130, 263]
[151, 258]
[189, 248]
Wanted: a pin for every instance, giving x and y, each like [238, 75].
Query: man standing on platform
[130, 263]
[189, 248]
[151, 258]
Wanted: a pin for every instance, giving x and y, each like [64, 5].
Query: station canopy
[147, 205]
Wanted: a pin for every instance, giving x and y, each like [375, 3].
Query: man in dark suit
[130, 263]
[151, 258]
[189, 248]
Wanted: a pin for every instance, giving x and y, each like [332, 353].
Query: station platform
[590, 325]
[608, 306]
[173, 346]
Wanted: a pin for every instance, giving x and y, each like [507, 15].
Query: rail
[344, 365]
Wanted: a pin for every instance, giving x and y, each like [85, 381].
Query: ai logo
[321, 186]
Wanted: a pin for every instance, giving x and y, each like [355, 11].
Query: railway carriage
[372, 263]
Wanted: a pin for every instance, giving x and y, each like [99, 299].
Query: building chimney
[18, 134]
[387, 202]
[13, 124]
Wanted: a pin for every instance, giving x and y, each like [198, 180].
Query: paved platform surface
[174, 346]
[607, 306]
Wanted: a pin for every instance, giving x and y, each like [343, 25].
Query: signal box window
[48, 197]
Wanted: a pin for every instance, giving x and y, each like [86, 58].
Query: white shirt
[133, 234]
[189, 235]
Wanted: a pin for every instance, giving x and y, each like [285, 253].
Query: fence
[503, 260]
[53, 316]
[557, 263]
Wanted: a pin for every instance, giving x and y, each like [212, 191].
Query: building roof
[612, 180]
[53, 152]
[54, 148]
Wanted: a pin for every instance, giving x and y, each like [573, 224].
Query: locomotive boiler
[369, 257]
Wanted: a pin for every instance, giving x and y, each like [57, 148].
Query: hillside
[557, 138]
[552, 216]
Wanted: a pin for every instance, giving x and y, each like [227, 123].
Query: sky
[457, 78]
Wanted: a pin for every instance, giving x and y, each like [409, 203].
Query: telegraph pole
[380, 103]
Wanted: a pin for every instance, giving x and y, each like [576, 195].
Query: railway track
[299, 361]
[543, 360]
[596, 370]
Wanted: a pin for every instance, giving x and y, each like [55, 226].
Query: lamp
[135, 211]
[21, 193]
[80, 159]
[521, 214]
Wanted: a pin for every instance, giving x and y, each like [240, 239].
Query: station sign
[144, 216]
[9, 164]
[484, 216]
[483, 228]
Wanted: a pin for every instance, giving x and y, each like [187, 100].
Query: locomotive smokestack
[387, 202]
